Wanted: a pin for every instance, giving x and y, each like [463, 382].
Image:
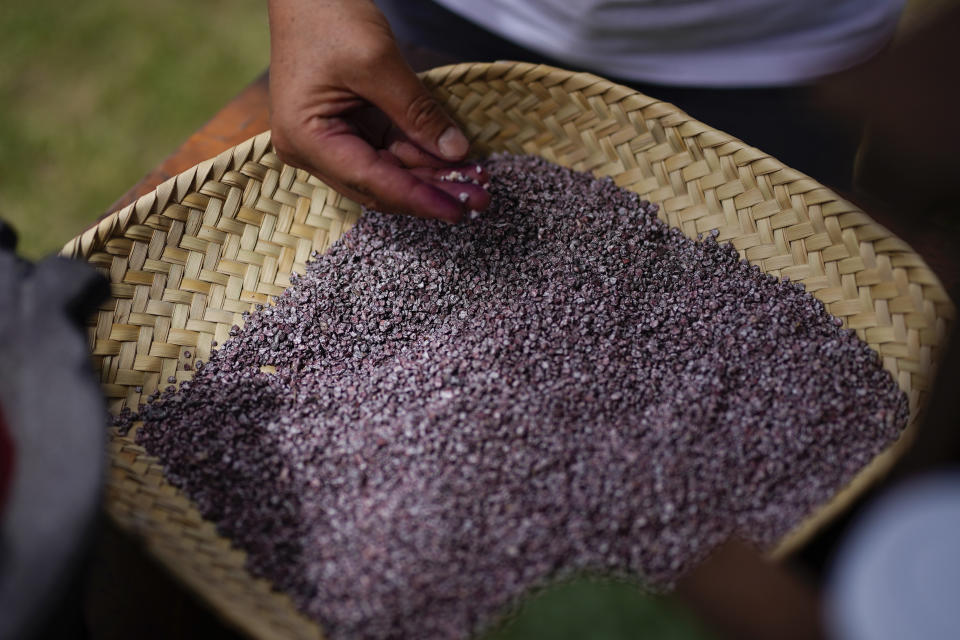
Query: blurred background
[96, 93]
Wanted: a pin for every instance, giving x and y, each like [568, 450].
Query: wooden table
[129, 595]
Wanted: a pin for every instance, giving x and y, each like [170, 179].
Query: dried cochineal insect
[433, 419]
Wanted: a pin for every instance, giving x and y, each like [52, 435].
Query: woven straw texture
[187, 259]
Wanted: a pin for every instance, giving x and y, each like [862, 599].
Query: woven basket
[187, 259]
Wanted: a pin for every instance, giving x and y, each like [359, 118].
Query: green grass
[95, 94]
[598, 609]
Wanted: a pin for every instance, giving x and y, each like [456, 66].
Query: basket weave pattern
[186, 260]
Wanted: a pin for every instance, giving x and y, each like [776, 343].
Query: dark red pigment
[460, 413]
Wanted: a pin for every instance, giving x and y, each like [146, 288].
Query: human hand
[346, 107]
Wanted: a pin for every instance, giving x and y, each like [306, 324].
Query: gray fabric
[56, 416]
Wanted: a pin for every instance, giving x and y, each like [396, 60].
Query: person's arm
[346, 107]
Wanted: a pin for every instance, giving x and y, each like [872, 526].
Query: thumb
[414, 111]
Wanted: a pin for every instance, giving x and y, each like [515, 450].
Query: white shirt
[705, 43]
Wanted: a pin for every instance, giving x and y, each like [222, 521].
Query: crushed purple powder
[458, 414]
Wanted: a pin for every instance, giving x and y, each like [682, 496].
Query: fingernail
[453, 145]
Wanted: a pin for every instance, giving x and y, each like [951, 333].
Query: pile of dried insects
[460, 413]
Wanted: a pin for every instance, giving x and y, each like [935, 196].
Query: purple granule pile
[461, 413]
